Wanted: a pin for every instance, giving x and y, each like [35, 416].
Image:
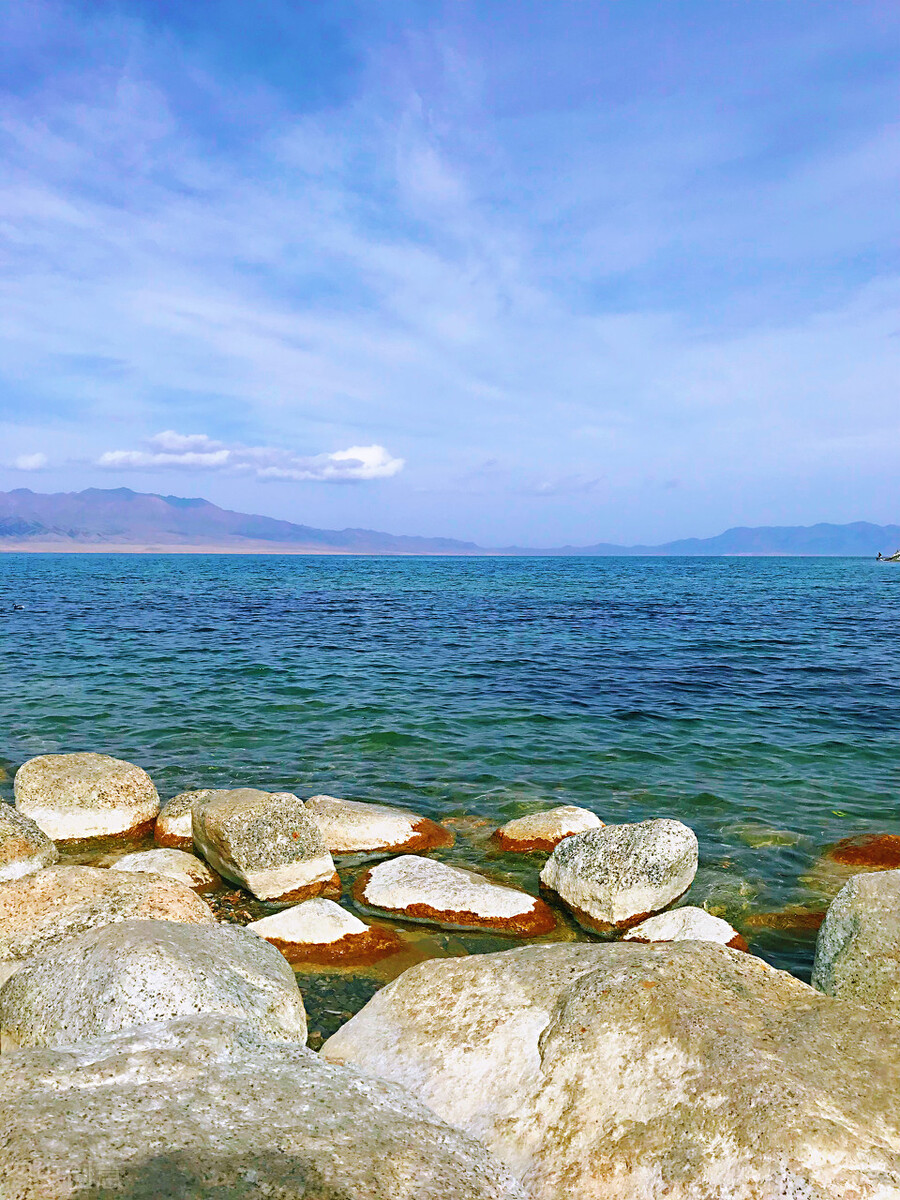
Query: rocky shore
[624, 1043]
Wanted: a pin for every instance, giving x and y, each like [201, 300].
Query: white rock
[174, 864]
[545, 830]
[320, 930]
[858, 948]
[688, 924]
[354, 827]
[173, 826]
[421, 889]
[24, 848]
[263, 841]
[617, 875]
[77, 797]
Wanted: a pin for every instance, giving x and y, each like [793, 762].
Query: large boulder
[174, 864]
[173, 826]
[24, 847]
[544, 830]
[264, 841]
[60, 902]
[420, 889]
[858, 948]
[79, 797]
[616, 876]
[204, 1108]
[135, 972]
[687, 924]
[320, 931]
[631, 1072]
[354, 827]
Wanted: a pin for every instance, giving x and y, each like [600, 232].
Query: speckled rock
[858, 949]
[688, 924]
[616, 876]
[623, 1071]
[41, 910]
[545, 830]
[79, 797]
[420, 889]
[135, 972]
[174, 864]
[205, 1109]
[263, 841]
[321, 931]
[173, 826]
[24, 848]
[352, 827]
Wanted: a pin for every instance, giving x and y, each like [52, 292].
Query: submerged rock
[321, 931]
[688, 924]
[545, 830]
[421, 889]
[615, 876]
[24, 847]
[264, 841]
[174, 864]
[858, 949]
[868, 852]
[205, 1108]
[352, 827]
[626, 1071]
[78, 797]
[173, 826]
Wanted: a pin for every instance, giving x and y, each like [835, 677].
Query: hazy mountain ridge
[120, 518]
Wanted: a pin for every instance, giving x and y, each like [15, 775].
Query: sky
[516, 271]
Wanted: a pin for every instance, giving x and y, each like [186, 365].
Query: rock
[867, 852]
[544, 830]
[792, 919]
[686, 924]
[622, 1071]
[858, 948]
[135, 972]
[265, 842]
[615, 876]
[174, 864]
[173, 825]
[60, 902]
[206, 1109]
[77, 797]
[351, 827]
[24, 847]
[321, 931]
[420, 889]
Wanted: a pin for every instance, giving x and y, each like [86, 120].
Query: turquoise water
[755, 699]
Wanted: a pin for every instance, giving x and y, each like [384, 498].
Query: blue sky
[543, 273]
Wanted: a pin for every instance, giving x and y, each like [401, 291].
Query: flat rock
[173, 826]
[421, 889]
[24, 847]
[174, 864]
[616, 876]
[41, 910]
[688, 924]
[624, 1071]
[264, 841]
[321, 931]
[204, 1108]
[858, 948]
[79, 797]
[545, 830]
[354, 827]
[135, 972]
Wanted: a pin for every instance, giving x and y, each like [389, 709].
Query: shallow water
[755, 699]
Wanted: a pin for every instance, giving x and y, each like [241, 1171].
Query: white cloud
[30, 462]
[199, 452]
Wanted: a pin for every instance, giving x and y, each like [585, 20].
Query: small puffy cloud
[30, 462]
[170, 450]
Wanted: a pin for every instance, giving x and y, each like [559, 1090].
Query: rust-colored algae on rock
[353, 949]
[799, 920]
[868, 851]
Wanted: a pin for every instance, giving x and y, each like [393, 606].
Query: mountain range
[119, 519]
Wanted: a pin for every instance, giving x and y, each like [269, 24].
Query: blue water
[755, 699]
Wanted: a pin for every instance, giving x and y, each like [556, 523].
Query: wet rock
[858, 948]
[173, 825]
[615, 876]
[174, 864]
[205, 1108]
[545, 830]
[420, 889]
[625, 1071]
[320, 931]
[688, 924]
[264, 841]
[352, 827]
[868, 852]
[135, 972]
[24, 848]
[790, 920]
[79, 797]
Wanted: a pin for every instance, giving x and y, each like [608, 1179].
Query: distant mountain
[120, 519]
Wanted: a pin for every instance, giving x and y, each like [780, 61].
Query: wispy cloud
[30, 462]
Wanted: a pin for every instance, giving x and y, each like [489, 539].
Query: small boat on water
[895, 557]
